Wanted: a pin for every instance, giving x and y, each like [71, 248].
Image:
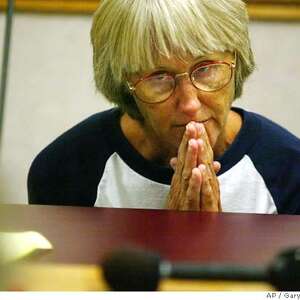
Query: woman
[173, 69]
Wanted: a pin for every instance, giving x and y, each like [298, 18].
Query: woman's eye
[205, 69]
[202, 70]
[161, 77]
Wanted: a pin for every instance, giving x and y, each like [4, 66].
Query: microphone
[138, 270]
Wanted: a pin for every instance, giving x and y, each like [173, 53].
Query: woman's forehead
[178, 64]
[189, 59]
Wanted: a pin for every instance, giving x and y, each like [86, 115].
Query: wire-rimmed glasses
[208, 76]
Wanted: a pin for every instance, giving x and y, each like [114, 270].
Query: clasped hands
[194, 185]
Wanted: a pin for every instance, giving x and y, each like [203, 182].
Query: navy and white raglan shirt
[93, 164]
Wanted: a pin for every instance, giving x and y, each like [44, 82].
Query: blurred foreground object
[16, 248]
[21, 245]
[137, 270]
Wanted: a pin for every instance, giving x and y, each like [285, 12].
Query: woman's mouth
[184, 124]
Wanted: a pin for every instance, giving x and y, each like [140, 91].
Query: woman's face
[164, 123]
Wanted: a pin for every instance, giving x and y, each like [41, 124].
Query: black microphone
[138, 270]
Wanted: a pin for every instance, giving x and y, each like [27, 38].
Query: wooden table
[81, 236]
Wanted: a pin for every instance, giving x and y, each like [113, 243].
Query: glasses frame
[232, 66]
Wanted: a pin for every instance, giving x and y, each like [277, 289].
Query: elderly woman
[173, 69]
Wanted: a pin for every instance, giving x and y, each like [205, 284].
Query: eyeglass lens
[159, 87]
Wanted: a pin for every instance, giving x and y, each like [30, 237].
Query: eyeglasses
[209, 76]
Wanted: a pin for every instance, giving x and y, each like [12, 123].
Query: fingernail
[188, 128]
[202, 168]
[200, 142]
[173, 163]
[201, 127]
[198, 126]
[191, 142]
[194, 172]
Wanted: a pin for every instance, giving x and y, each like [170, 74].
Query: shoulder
[98, 123]
[73, 161]
[261, 139]
[82, 138]
[276, 156]
[272, 138]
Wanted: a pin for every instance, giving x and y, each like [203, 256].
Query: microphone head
[131, 270]
[284, 272]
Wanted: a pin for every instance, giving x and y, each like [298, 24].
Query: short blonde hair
[129, 36]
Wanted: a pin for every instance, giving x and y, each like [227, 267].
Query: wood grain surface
[81, 236]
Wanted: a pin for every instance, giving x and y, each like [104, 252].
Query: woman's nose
[187, 96]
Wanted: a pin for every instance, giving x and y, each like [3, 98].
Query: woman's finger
[217, 166]
[209, 192]
[192, 199]
[190, 162]
[183, 148]
[173, 163]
